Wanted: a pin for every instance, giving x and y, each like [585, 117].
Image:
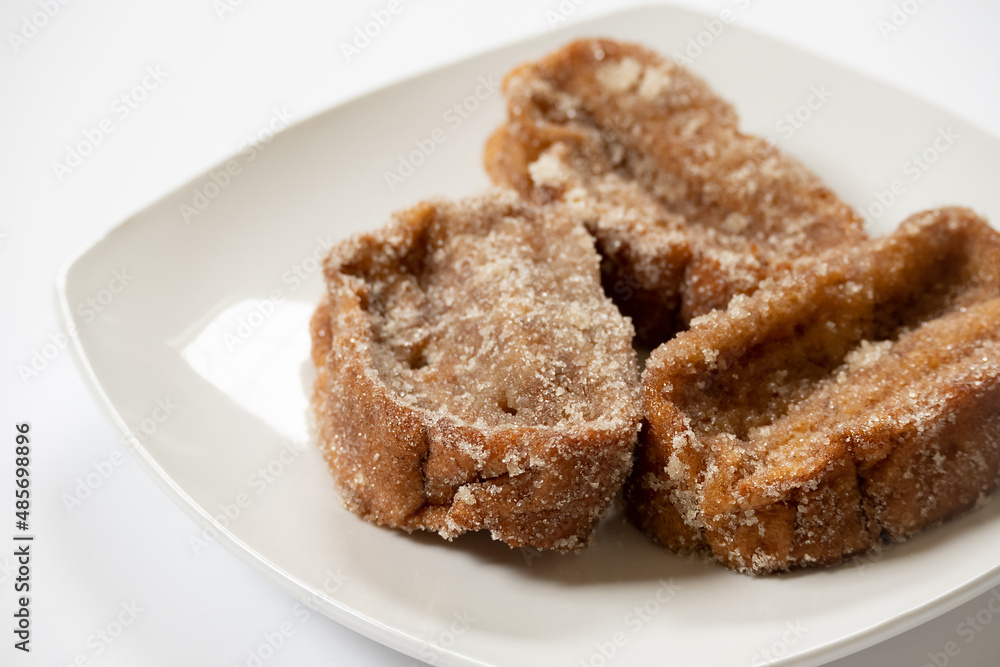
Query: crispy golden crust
[856, 399]
[686, 209]
[473, 376]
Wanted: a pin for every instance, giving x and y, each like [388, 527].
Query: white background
[225, 74]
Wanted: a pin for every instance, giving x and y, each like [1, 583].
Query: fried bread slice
[472, 375]
[855, 400]
[687, 210]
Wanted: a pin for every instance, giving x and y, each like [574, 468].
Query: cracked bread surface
[472, 375]
[855, 400]
[687, 210]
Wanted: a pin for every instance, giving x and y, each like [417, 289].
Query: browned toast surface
[856, 399]
[687, 210]
[473, 375]
[475, 361]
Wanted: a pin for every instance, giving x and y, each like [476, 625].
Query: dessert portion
[853, 401]
[475, 361]
[686, 209]
[472, 374]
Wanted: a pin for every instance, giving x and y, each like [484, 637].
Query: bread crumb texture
[474, 375]
[855, 400]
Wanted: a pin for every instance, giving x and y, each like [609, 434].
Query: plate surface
[199, 348]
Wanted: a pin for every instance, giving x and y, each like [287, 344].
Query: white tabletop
[162, 94]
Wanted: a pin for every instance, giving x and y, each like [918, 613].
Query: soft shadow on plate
[620, 554]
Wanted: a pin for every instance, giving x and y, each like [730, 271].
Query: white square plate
[204, 358]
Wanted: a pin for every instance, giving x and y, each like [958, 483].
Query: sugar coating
[856, 399]
[473, 375]
[686, 209]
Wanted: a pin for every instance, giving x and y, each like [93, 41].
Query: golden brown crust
[686, 208]
[473, 376]
[856, 399]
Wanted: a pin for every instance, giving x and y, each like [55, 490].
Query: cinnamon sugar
[850, 404]
[831, 391]
[726, 209]
[469, 356]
